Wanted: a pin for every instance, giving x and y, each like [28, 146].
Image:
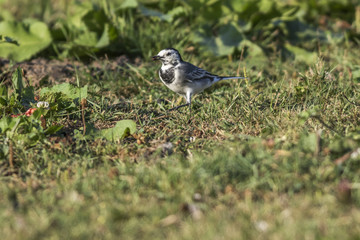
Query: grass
[257, 160]
[272, 157]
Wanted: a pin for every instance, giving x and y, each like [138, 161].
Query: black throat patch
[168, 76]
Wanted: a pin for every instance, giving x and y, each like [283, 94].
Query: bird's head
[168, 56]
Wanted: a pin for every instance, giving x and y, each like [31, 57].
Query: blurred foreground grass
[274, 157]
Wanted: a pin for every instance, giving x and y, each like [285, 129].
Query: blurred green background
[255, 28]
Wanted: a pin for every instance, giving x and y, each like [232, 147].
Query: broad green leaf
[5, 14]
[17, 82]
[97, 31]
[237, 5]
[27, 96]
[356, 74]
[247, 9]
[7, 123]
[175, 12]
[95, 20]
[301, 54]
[32, 38]
[87, 39]
[53, 129]
[212, 11]
[67, 89]
[8, 40]
[78, 11]
[3, 91]
[58, 101]
[121, 130]
[154, 13]
[3, 102]
[254, 50]
[37, 114]
[212, 2]
[308, 143]
[129, 4]
[229, 37]
[104, 39]
[4, 124]
[266, 6]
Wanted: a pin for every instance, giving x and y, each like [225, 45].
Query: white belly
[184, 87]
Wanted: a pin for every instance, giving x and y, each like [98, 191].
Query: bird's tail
[225, 78]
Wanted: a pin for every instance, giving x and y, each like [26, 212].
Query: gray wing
[193, 73]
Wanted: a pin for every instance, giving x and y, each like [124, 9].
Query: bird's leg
[188, 103]
[190, 106]
[188, 100]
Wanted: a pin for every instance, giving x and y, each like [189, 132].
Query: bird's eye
[168, 54]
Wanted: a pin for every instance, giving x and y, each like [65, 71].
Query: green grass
[276, 156]
[256, 159]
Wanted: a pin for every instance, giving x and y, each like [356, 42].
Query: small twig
[354, 103]
[326, 125]
[159, 117]
[343, 158]
[256, 96]
[43, 121]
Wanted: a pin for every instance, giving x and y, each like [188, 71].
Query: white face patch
[162, 53]
[169, 56]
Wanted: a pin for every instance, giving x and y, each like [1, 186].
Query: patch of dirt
[41, 71]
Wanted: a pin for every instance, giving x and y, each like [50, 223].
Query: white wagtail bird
[184, 78]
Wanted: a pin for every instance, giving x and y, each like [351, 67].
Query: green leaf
[5, 14]
[247, 8]
[3, 91]
[129, 4]
[212, 11]
[266, 6]
[302, 55]
[154, 13]
[356, 74]
[28, 96]
[37, 114]
[3, 101]
[96, 30]
[79, 11]
[237, 6]
[175, 12]
[254, 49]
[308, 142]
[32, 38]
[104, 39]
[7, 123]
[8, 40]
[121, 130]
[17, 81]
[229, 37]
[67, 89]
[87, 39]
[53, 129]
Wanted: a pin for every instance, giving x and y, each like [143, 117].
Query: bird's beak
[157, 57]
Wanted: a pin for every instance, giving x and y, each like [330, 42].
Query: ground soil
[40, 71]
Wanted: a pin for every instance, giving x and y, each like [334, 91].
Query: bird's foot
[176, 108]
